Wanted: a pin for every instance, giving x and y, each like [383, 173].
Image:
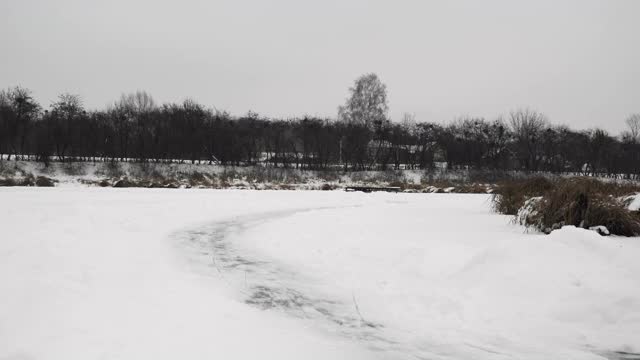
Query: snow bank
[633, 202]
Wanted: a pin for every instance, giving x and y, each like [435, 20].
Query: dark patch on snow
[293, 301]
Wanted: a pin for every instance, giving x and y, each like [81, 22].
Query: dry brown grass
[198, 179]
[511, 195]
[473, 189]
[582, 202]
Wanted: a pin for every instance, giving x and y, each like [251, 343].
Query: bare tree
[68, 104]
[64, 114]
[133, 112]
[23, 111]
[633, 123]
[528, 128]
[136, 103]
[6, 115]
[408, 120]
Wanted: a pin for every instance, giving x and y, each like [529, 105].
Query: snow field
[94, 274]
[115, 274]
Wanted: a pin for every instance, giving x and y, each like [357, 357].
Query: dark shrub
[8, 182]
[327, 187]
[44, 181]
[124, 183]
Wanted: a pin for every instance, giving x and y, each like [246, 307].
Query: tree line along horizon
[362, 137]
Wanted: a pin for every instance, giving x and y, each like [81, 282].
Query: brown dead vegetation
[580, 201]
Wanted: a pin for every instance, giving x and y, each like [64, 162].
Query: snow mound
[632, 201]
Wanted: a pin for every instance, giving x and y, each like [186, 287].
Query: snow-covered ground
[153, 273]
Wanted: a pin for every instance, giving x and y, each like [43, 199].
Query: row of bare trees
[135, 128]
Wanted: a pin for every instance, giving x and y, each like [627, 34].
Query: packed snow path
[138, 273]
[269, 285]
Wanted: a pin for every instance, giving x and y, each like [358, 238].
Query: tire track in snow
[271, 286]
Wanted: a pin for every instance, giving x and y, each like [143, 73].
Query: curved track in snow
[269, 285]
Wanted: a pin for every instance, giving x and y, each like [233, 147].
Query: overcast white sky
[577, 61]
